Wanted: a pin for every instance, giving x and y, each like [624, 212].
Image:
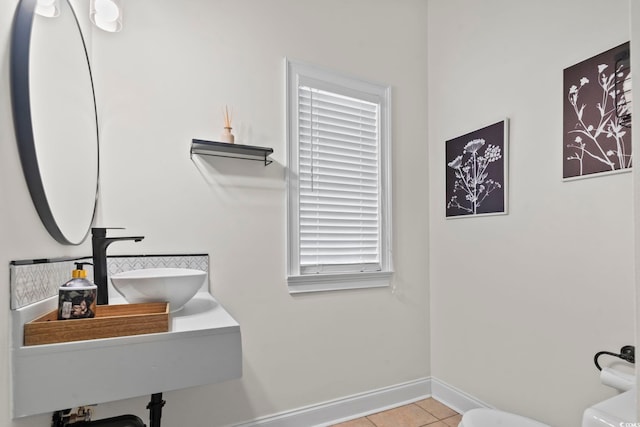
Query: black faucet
[99, 243]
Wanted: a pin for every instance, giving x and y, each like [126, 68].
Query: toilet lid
[483, 417]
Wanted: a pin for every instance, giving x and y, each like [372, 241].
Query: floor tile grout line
[437, 419]
[434, 415]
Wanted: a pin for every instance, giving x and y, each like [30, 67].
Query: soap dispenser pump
[77, 297]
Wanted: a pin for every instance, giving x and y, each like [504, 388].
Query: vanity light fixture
[106, 14]
[48, 8]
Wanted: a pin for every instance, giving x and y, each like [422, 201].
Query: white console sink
[203, 346]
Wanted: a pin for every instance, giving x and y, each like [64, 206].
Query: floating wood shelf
[236, 151]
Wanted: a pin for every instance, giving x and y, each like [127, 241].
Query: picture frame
[596, 141]
[476, 166]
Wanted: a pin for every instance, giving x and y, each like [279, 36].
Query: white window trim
[302, 283]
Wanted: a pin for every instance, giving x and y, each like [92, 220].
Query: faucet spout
[99, 243]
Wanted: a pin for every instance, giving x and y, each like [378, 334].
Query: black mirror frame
[21, 105]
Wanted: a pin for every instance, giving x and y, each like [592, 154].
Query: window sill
[338, 282]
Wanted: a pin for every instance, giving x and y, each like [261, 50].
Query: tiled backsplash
[36, 280]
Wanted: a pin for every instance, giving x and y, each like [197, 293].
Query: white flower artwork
[477, 172]
[596, 140]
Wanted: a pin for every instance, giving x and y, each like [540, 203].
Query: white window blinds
[339, 182]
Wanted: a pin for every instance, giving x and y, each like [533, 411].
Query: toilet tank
[615, 411]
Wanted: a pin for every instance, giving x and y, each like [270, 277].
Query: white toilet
[615, 411]
[483, 417]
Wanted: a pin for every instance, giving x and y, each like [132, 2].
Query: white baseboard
[362, 404]
[454, 398]
[355, 406]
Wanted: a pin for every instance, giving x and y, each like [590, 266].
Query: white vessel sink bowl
[175, 285]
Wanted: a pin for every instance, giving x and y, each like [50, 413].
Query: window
[338, 181]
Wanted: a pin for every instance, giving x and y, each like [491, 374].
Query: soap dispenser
[77, 297]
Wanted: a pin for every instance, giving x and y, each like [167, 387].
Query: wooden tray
[110, 321]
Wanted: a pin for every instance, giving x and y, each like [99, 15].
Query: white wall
[164, 80]
[634, 17]
[521, 303]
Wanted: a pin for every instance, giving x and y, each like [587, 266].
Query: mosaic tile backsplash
[38, 280]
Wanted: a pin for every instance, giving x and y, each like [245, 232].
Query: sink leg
[155, 409]
[57, 420]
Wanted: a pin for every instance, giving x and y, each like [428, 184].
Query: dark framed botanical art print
[596, 140]
[476, 172]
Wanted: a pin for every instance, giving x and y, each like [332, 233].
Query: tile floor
[427, 412]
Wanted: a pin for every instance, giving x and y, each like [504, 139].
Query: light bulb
[106, 14]
[107, 10]
[48, 8]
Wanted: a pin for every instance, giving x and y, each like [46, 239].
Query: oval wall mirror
[55, 118]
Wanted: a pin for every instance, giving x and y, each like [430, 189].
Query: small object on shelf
[77, 297]
[236, 151]
[227, 136]
[110, 321]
